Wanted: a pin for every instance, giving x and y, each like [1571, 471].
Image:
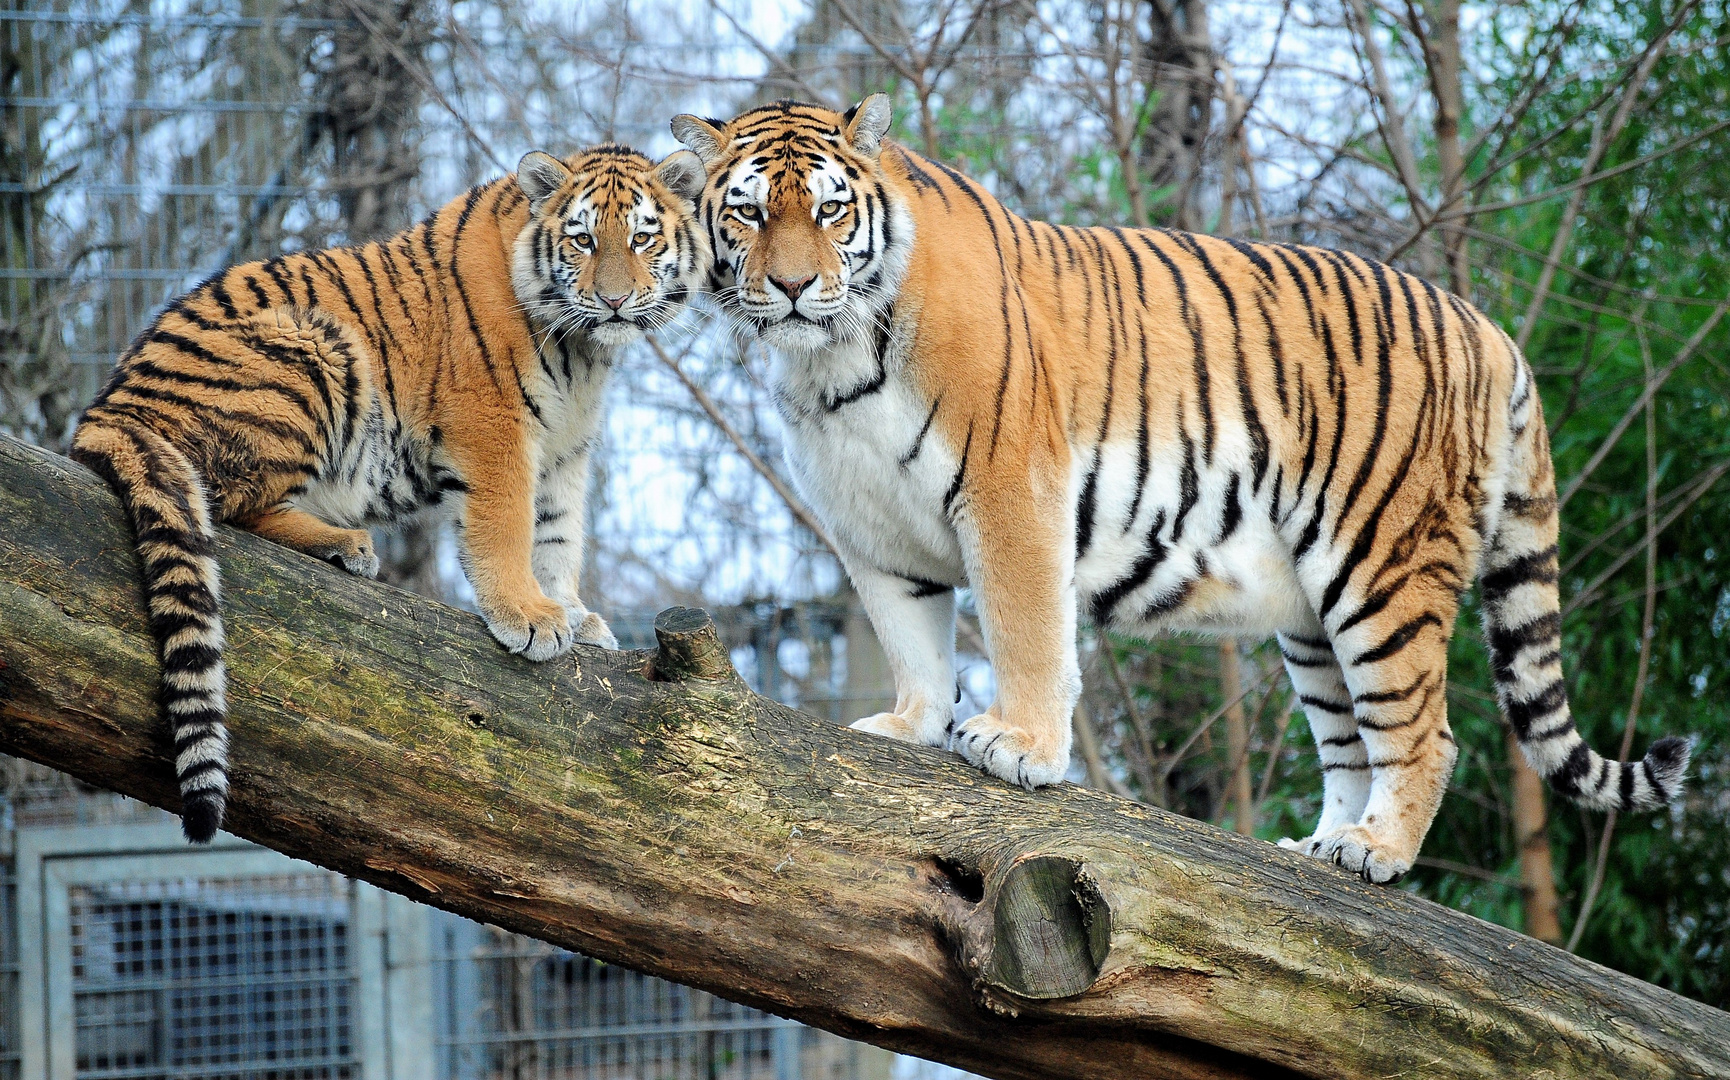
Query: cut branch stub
[1041, 931]
[690, 647]
[1051, 929]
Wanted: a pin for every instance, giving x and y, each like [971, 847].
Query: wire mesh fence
[179, 965]
[509, 1006]
[9, 975]
[214, 979]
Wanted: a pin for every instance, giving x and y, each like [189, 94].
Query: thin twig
[1603, 137]
[1280, 727]
[794, 506]
[1645, 399]
[1589, 592]
[1087, 745]
[413, 67]
[1183, 748]
[1452, 867]
[1646, 635]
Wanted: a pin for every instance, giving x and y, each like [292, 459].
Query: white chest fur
[569, 395]
[863, 452]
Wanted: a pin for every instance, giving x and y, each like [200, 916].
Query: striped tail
[171, 519]
[1523, 625]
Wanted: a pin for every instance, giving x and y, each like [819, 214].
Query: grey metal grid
[214, 979]
[509, 1006]
[9, 1040]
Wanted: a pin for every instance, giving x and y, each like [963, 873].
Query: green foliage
[1645, 266]
[1647, 261]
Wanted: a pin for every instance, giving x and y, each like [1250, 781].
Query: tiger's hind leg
[350, 549]
[1320, 685]
[1395, 667]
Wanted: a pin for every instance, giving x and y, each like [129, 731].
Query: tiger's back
[460, 363]
[1166, 431]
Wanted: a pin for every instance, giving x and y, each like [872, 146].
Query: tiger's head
[810, 241]
[612, 246]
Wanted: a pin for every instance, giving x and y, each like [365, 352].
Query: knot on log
[689, 648]
[1040, 931]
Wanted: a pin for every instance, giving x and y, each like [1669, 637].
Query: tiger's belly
[876, 474]
[1188, 548]
[381, 475]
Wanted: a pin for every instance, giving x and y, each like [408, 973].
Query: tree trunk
[649, 810]
[1442, 59]
[1179, 62]
[1238, 790]
[1532, 840]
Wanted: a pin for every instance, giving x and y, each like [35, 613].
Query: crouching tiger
[461, 363]
[1176, 431]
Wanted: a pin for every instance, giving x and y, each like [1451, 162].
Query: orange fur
[1169, 430]
[461, 361]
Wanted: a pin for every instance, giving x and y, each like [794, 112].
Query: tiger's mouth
[795, 332]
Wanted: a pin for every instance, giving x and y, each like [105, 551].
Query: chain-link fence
[207, 978]
[9, 1037]
[153, 961]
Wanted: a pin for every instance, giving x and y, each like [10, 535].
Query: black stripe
[1397, 640]
[1198, 353]
[1085, 509]
[960, 472]
[192, 656]
[1538, 566]
[1522, 714]
[1189, 488]
[1233, 509]
[865, 389]
[924, 587]
[1106, 601]
[1325, 705]
[1382, 697]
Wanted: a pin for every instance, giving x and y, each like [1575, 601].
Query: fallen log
[646, 808]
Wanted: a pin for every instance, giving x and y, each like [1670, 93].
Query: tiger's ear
[682, 172]
[539, 175]
[703, 136]
[867, 123]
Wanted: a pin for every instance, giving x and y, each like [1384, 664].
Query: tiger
[457, 367]
[1162, 431]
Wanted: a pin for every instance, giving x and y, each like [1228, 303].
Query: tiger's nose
[614, 301]
[794, 288]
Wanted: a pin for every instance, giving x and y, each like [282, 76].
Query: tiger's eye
[830, 208]
[584, 241]
[641, 239]
[749, 212]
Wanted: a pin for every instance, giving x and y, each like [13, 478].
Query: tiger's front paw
[354, 553]
[921, 730]
[539, 629]
[593, 630]
[1011, 752]
[1357, 849]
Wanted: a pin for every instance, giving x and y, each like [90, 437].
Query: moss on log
[647, 809]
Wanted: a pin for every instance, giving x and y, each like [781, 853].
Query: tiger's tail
[1523, 626]
[170, 514]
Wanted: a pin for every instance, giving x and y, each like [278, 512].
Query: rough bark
[648, 809]
[1180, 62]
[1442, 60]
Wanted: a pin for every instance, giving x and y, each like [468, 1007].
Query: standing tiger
[1176, 431]
[460, 362]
